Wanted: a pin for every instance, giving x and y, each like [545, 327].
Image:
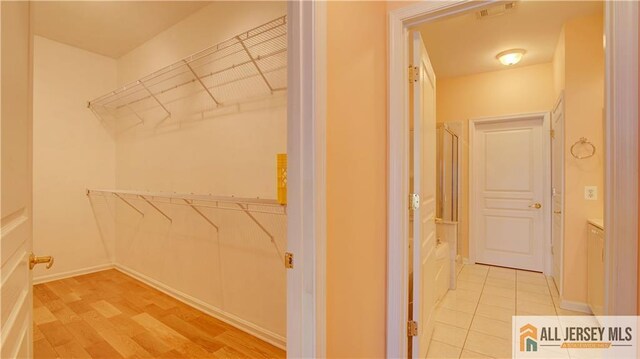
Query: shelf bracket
[245, 209]
[156, 99]
[190, 204]
[156, 208]
[202, 83]
[255, 63]
[129, 204]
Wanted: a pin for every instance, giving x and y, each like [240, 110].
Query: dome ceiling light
[510, 57]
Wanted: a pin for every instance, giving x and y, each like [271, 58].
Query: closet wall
[235, 272]
[232, 151]
[71, 152]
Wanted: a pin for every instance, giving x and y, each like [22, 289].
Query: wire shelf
[249, 65]
[257, 205]
[247, 206]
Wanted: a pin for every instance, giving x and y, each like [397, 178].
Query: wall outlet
[591, 193]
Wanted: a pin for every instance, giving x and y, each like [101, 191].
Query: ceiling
[110, 28]
[464, 45]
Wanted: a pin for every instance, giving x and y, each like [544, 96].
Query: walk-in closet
[159, 179]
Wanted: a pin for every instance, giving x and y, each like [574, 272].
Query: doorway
[17, 39]
[401, 21]
[509, 169]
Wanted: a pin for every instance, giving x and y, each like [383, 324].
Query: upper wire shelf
[245, 66]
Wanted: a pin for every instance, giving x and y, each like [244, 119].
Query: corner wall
[71, 152]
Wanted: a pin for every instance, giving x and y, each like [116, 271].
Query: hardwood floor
[111, 315]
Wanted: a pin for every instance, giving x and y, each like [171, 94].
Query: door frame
[621, 185]
[306, 200]
[560, 285]
[621, 165]
[546, 198]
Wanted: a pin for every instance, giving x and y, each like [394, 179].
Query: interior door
[15, 167]
[423, 160]
[509, 178]
[557, 191]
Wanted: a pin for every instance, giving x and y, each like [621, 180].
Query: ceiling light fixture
[510, 57]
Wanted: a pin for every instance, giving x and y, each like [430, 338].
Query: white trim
[559, 286]
[72, 273]
[621, 164]
[209, 309]
[575, 306]
[306, 178]
[626, 33]
[546, 188]
[320, 151]
[398, 161]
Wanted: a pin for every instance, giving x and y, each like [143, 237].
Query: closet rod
[192, 196]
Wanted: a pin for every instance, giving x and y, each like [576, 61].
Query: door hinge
[414, 74]
[414, 200]
[288, 260]
[412, 328]
[553, 133]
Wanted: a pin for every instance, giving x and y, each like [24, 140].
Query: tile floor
[474, 321]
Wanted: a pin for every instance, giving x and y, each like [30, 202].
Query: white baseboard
[575, 306]
[72, 273]
[264, 334]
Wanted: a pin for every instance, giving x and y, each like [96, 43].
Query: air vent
[496, 10]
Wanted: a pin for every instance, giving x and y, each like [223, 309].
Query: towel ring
[583, 141]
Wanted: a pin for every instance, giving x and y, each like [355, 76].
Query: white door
[557, 191]
[424, 185]
[508, 182]
[15, 127]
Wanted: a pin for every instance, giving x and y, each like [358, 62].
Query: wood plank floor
[108, 314]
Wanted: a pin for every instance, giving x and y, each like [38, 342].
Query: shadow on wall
[237, 268]
[184, 111]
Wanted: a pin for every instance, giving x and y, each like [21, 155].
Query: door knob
[536, 206]
[33, 260]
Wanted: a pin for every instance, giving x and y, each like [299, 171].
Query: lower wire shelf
[248, 206]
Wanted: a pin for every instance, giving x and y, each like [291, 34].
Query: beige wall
[236, 270]
[512, 91]
[584, 103]
[71, 152]
[559, 76]
[356, 179]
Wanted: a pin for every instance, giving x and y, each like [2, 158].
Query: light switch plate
[591, 193]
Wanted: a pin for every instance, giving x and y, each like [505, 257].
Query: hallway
[474, 321]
